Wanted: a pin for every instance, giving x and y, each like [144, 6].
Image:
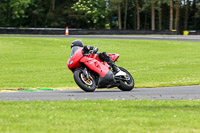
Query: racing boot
[120, 73]
[105, 57]
[116, 70]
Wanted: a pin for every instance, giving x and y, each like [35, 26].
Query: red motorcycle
[91, 73]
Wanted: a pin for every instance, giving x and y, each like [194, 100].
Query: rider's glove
[94, 50]
[90, 50]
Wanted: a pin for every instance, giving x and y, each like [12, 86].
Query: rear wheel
[85, 84]
[128, 83]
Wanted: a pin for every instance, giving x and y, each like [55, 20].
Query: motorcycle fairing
[114, 57]
[107, 81]
[95, 65]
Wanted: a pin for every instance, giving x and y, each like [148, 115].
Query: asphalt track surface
[160, 93]
[194, 38]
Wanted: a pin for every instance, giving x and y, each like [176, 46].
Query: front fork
[85, 72]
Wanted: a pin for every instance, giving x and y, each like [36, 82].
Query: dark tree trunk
[152, 16]
[195, 11]
[119, 16]
[171, 15]
[186, 14]
[177, 15]
[138, 14]
[135, 18]
[125, 14]
[8, 13]
[160, 17]
[53, 4]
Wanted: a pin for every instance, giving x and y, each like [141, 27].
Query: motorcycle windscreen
[75, 56]
[74, 50]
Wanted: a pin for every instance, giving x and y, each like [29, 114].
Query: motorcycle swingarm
[121, 78]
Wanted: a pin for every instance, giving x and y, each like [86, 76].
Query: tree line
[102, 14]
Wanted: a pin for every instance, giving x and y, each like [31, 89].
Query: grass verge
[42, 62]
[100, 116]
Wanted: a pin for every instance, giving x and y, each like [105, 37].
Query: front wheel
[128, 84]
[85, 84]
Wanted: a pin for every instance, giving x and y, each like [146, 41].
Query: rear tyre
[85, 84]
[126, 85]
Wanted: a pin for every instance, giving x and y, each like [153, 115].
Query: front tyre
[128, 84]
[85, 84]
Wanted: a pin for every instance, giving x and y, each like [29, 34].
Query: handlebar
[89, 53]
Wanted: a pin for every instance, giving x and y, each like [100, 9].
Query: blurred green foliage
[94, 14]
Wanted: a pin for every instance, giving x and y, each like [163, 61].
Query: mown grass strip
[100, 116]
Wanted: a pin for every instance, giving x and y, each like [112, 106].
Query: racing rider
[76, 44]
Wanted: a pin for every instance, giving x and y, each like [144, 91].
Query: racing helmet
[78, 43]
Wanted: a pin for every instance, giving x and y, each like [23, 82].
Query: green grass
[100, 116]
[42, 62]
